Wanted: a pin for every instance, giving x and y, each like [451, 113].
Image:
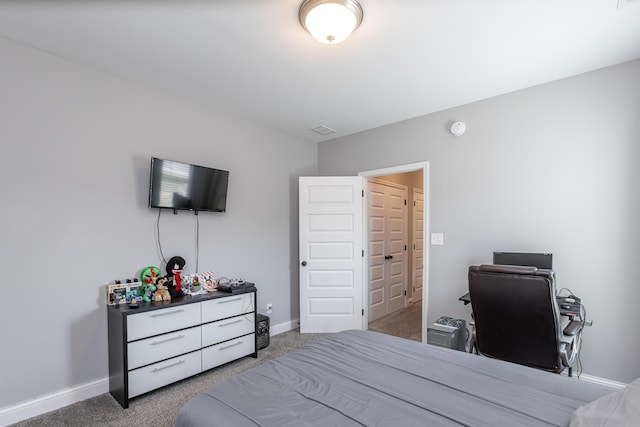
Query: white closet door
[387, 232]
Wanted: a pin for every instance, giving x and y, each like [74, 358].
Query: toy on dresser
[162, 291]
[149, 290]
[148, 277]
[124, 291]
[174, 270]
[196, 287]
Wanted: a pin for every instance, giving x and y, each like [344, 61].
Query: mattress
[356, 378]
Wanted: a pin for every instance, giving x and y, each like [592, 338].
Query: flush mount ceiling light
[330, 21]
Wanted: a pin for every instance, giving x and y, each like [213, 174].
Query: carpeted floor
[159, 408]
[405, 323]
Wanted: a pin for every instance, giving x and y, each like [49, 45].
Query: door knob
[304, 263]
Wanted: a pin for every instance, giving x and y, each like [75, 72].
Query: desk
[573, 308]
[466, 298]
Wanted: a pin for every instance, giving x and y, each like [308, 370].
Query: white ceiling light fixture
[330, 21]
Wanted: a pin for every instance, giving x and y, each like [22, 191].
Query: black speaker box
[262, 331]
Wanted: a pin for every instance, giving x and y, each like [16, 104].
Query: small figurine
[195, 285]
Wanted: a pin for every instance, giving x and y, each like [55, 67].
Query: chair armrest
[572, 328]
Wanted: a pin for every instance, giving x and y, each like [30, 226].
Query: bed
[356, 378]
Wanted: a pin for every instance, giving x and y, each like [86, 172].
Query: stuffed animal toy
[148, 277]
[148, 291]
[149, 274]
[174, 269]
[162, 291]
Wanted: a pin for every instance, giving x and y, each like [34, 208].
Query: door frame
[411, 167]
[413, 252]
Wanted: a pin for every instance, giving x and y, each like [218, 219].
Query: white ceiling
[408, 58]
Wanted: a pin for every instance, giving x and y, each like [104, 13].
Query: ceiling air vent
[323, 130]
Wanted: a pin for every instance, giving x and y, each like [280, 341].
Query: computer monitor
[539, 260]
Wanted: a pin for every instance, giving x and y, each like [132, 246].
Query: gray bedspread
[358, 378]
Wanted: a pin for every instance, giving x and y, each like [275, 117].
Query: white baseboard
[283, 327]
[603, 381]
[51, 402]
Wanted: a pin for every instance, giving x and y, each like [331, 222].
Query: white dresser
[158, 344]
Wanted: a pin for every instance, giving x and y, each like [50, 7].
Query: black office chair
[517, 318]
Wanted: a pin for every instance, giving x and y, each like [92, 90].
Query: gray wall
[76, 147]
[551, 168]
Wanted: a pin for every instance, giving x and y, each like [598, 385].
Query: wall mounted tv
[182, 186]
[531, 259]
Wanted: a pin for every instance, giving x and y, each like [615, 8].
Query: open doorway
[408, 321]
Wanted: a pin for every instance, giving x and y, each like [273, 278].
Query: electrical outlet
[269, 308]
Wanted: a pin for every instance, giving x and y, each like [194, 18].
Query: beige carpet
[405, 323]
[159, 408]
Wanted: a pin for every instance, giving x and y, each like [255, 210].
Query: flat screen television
[182, 186]
[539, 260]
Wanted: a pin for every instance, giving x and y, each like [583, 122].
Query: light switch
[437, 239]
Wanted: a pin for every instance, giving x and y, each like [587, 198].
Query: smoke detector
[458, 128]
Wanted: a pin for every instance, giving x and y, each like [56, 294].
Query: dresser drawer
[150, 377]
[222, 330]
[162, 347]
[227, 351]
[157, 322]
[221, 308]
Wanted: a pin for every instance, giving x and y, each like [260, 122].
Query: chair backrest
[516, 315]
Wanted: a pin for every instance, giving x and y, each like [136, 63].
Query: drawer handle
[167, 340]
[230, 323]
[164, 313]
[179, 362]
[224, 347]
[229, 300]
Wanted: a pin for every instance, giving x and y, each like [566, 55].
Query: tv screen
[182, 186]
[539, 260]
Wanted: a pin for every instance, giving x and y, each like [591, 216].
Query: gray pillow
[619, 409]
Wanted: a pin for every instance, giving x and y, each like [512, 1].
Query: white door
[331, 254]
[418, 251]
[387, 236]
